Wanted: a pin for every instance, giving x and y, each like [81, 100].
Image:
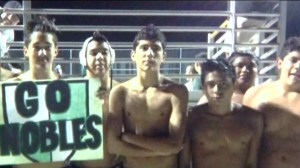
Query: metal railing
[265, 46]
[180, 53]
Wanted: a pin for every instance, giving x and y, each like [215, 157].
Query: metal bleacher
[263, 40]
[185, 39]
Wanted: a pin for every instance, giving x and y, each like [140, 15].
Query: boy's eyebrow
[144, 44]
[42, 43]
[99, 49]
[209, 81]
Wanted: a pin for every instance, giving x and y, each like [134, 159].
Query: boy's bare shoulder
[166, 80]
[246, 109]
[19, 77]
[22, 77]
[259, 94]
[176, 89]
[121, 87]
[261, 88]
[14, 79]
[247, 113]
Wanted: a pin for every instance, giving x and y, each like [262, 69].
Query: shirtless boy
[279, 103]
[97, 57]
[148, 112]
[221, 134]
[40, 47]
[245, 66]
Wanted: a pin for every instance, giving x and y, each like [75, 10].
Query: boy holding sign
[55, 124]
[40, 47]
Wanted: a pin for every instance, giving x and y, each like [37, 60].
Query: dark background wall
[292, 21]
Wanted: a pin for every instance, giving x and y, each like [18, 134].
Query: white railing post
[232, 25]
[282, 23]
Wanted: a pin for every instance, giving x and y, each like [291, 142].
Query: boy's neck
[220, 109]
[148, 79]
[40, 75]
[104, 80]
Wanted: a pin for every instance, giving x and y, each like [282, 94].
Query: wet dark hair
[40, 24]
[149, 32]
[237, 54]
[291, 44]
[99, 37]
[219, 65]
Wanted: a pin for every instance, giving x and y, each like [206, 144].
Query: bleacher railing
[266, 39]
[179, 54]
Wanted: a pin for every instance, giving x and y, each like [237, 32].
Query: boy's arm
[255, 143]
[115, 123]
[184, 159]
[172, 143]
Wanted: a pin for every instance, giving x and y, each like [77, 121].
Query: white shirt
[7, 35]
[189, 85]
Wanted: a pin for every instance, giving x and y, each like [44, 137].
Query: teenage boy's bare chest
[151, 103]
[282, 115]
[216, 133]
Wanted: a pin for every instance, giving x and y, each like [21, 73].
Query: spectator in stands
[221, 133]
[197, 64]
[7, 35]
[279, 103]
[97, 56]
[245, 65]
[148, 112]
[190, 70]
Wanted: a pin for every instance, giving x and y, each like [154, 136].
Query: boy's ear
[25, 51]
[164, 55]
[278, 62]
[56, 51]
[132, 54]
[163, 58]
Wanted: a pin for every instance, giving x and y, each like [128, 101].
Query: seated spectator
[197, 65]
[8, 35]
[190, 70]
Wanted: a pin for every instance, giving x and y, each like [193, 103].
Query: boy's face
[218, 88]
[245, 70]
[97, 58]
[41, 50]
[148, 55]
[289, 68]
